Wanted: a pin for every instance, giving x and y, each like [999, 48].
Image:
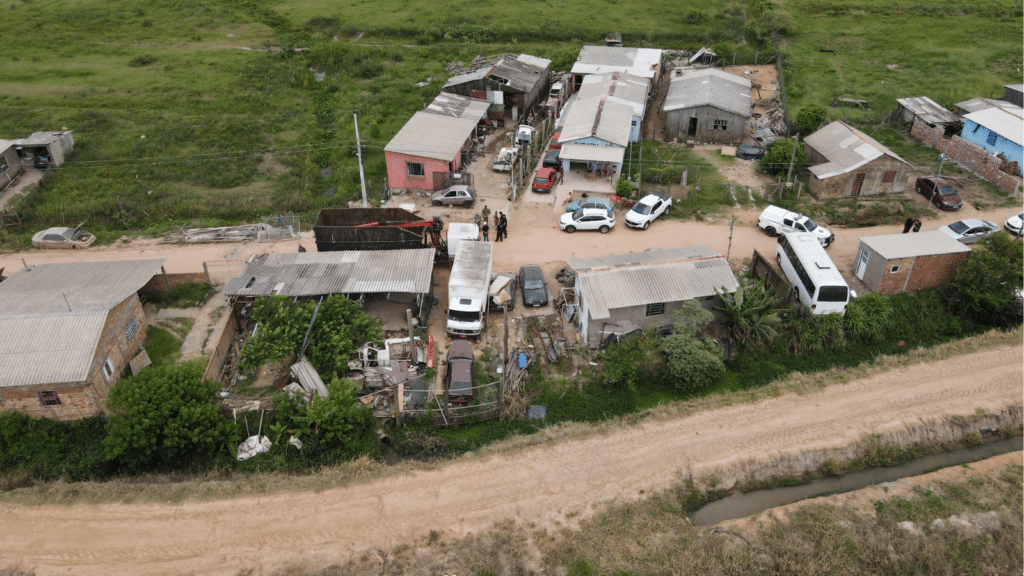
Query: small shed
[10, 164]
[895, 263]
[929, 111]
[513, 84]
[639, 290]
[1014, 94]
[846, 162]
[57, 145]
[642, 62]
[707, 105]
[428, 151]
[386, 282]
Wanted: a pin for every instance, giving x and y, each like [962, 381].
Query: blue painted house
[999, 130]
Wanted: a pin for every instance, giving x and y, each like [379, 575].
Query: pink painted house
[433, 144]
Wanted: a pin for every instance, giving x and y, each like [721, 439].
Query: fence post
[206, 270]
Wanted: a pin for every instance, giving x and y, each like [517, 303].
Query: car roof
[594, 212]
[653, 197]
[531, 268]
[972, 222]
[545, 171]
[460, 349]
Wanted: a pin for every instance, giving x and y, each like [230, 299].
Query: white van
[505, 159]
[775, 221]
[813, 275]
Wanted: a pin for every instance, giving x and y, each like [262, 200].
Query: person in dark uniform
[907, 225]
[917, 225]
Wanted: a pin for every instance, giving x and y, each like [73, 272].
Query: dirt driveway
[546, 484]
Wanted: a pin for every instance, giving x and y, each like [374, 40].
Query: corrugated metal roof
[348, 272]
[1007, 122]
[709, 87]
[587, 153]
[41, 138]
[618, 87]
[458, 106]
[432, 136]
[978, 104]
[930, 243]
[928, 110]
[846, 149]
[627, 280]
[87, 286]
[48, 349]
[469, 77]
[598, 118]
[641, 62]
[535, 61]
[518, 74]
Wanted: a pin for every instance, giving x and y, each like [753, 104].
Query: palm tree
[751, 315]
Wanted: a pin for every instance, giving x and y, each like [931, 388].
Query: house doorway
[691, 131]
[858, 181]
[862, 263]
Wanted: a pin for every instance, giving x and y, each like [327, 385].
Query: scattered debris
[252, 446]
[243, 233]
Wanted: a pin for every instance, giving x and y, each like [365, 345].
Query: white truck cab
[775, 221]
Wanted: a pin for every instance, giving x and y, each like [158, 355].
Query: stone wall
[967, 155]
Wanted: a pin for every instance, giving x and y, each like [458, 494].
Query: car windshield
[577, 215]
[642, 208]
[533, 284]
[958, 227]
[809, 225]
[461, 316]
[540, 180]
[947, 191]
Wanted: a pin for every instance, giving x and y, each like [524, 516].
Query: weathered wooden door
[858, 181]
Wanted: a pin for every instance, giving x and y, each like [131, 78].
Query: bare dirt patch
[547, 485]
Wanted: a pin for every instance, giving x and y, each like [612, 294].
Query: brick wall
[841, 185]
[220, 353]
[967, 155]
[157, 284]
[893, 282]
[76, 401]
[398, 177]
[935, 270]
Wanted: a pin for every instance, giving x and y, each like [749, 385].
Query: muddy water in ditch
[743, 505]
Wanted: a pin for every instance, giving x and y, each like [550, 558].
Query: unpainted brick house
[895, 263]
[67, 334]
[845, 162]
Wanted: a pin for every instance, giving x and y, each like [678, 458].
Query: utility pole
[942, 160]
[728, 251]
[792, 158]
[359, 154]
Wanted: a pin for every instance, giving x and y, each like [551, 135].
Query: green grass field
[208, 113]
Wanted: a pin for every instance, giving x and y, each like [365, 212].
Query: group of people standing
[912, 223]
[500, 225]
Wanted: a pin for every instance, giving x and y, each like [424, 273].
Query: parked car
[775, 221]
[460, 194]
[591, 202]
[969, 230]
[62, 237]
[458, 379]
[505, 159]
[502, 294]
[749, 152]
[1013, 224]
[535, 291]
[939, 192]
[551, 159]
[587, 219]
[544, 180]
[41, 161]
[647, 209]
[554, 145]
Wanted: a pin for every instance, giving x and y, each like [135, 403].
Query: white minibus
[814, 277]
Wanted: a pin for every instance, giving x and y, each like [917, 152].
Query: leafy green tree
[984, 289]
[692, 363]
[810, 118]
[634, 359]
[329, 428]
[777, 155]
[339, 328]
[165, 417]
[751, 314]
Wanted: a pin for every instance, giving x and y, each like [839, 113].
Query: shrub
[751, 314]
[165, 417]
[692, 363]
[635, 358]
[777, 156]
[810, 118]
[984, 289]
[332, 428]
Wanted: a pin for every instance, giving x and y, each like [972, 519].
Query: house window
[888, 177]
[131, 329]
[992, 137]
[894, 269]
[108, 369]
[656, 309]
[48, 398]
[415, 169]
[720, 125]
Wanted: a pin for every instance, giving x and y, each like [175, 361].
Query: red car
[554, 141]
[939, 192]
[544, 180]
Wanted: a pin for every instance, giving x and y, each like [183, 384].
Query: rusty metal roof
[347, 272]
[650, 277]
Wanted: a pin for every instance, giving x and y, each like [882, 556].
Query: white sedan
[587, 219]
[1015, 223]
[647, 209]
[970, 230]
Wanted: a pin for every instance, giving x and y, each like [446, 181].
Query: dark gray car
[533, 286]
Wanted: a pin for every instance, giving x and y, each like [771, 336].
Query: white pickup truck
[505, 159]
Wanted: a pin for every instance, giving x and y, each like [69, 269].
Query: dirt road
[544, 484]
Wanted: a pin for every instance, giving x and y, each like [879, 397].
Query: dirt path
[544, 484]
